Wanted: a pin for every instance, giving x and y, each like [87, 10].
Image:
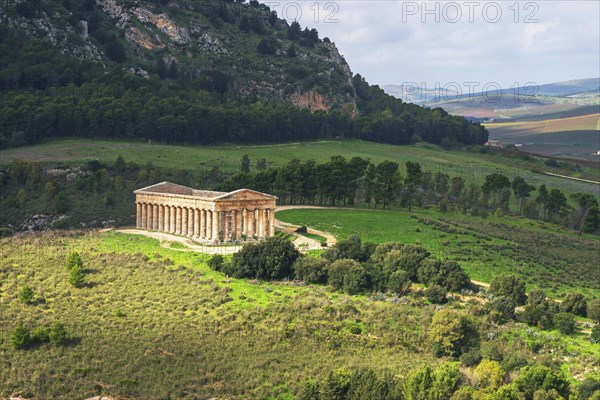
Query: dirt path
[165, 239]
[304, 241]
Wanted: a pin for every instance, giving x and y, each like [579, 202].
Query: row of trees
[350, 266]
[347, 182]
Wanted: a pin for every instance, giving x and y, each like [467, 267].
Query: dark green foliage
[591, 222]
[61, 203]
[267, 46]
[76, 276]
[336, 385]
[564, 322]
[26, 295]
[534, 378]
[588, 387]
[58, 334]
[595, 336]
[216, 262]
[351, 248]
[537, 309]
[347, 275]
[40, 335]
[471, 358]
[302, 229]
[361, 384]
[448, 275]
[436, 294]
[20, 337]
[73, 260]
[574, 303]
[593, 310]
[399, 282]
[245, 166]
[509, 285]
[269, 259]
[426, 383]
[502, 307]
[310, 269]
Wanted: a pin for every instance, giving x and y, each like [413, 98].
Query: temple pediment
[245, 194]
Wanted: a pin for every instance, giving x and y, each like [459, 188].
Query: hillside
[190, 72]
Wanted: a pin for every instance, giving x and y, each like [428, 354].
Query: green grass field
[471, 166]
[547, 256]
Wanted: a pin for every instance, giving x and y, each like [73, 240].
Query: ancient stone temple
[205, 215]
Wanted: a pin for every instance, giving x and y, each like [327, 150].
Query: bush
[503, 307]
[58, 334]
[20, 337]
[471, 358]
[270, 259]
[489, 374]
[564, 322]
[310, 269]
[216, 262]
[593, 310]
[40, 335]
[588, 387]
[399, 282]
[355, 279]
[26, 295]
[595, 337]
[509, 285]
[302, 229]
[452, 333]
[74, 259]
[436, 294]
[574, 303]
[76, 276]
[538, 377]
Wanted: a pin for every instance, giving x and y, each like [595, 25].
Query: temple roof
[175, 189]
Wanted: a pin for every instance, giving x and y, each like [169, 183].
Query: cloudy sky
[393, 42]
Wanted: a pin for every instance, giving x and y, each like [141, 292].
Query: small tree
[595, 337]
[76, 276]
[564, 322]
[574, 303]
[593, 310]
[216, 262]
[489, 374]
[58, 334]
[245, 167]
[452, 333]
[73, 260]
[436, 294]
[20, 337]
[509, 285]
[26, 295]
[502, 307]
[21, 197]
[399, 282]
[310, 269]
[61, 202]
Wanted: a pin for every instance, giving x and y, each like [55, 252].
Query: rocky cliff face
[191, 40]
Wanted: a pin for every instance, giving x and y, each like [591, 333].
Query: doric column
[202, 233]
[172, 220]
[209, 224]
[155, 217]
[238, 224]
[249, 224]
[184, 221]
[161, 218]
[138, 215]
[191, 222]
[271, 222]
[178, 220]
[167, 220]
[260, 224]
[150, 217]
[216, 225]
[144, 224]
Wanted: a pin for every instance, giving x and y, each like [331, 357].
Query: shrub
[216, 262]
[20, 337]
[74, 259]
[452, 333]
[76, 276]
[436, 294]
[399, 282]
[58, 334]
[355, 279]
[538, 377]
[471, 358]
[26, 295]
[574, 303]
[40, 335]
[270, 259]
[588, 388]
[503, 307]
[509, 285]
[489, 374]
[595, 337]
[564, 322]
[302, 229]
[310, 269]
[593, 310]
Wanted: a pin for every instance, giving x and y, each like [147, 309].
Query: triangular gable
[242, 194]
[166, 187]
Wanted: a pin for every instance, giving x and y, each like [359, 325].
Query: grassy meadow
[157, 323]
[555, 259]
[472, 166]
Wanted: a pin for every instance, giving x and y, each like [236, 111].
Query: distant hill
[184, 71]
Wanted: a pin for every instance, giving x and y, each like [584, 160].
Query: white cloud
[382, 42]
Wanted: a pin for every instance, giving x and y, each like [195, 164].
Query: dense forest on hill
[182, 93]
